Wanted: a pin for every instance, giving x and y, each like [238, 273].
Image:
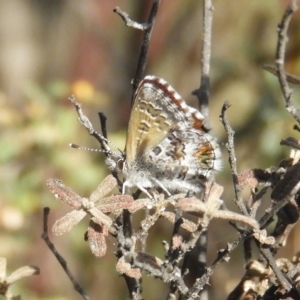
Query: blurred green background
[51, 49]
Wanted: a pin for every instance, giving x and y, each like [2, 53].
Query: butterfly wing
[167, 143]
[157, 109]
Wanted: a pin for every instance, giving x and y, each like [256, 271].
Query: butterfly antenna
[104, 142]
[88, 125]
[111, 154]
[87, 148]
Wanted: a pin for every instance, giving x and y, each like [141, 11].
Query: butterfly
[167, 144]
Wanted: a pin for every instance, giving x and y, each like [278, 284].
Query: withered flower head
[97, 206]
[7, 281]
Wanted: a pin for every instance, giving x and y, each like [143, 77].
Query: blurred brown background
[50, 49]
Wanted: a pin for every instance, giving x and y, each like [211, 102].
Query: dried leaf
[146, 262]
[176, 241]
[216, 191]
[148, 259]
[188, 225]
[211, 210]
[100, 217]
[140, 204]
[123, 267]
[168, 215]
[104, 188]
[114, 204]
[67, 222]
[289, 77]
[232, 216]
[257, 269]
[192, 205]
[96, 238]
[261, 236]
[64, 193]
[253, 177]
[21, 273]
[288, 185]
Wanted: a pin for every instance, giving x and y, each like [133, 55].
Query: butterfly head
[115, 161]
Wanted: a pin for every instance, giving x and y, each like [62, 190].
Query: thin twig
[60, 259]
[202, 93]
[124, 245]
[247, 250]
[272, 263]
[103, 119]
[84, 120]
[224, 255]
[280, 59]
[291, 142]
[294, 271]
[275, 208]
[142, 61]
[296, 127]
[130, 23]
[147, 28]
[133, 285]
[232, 159]
[289, 77]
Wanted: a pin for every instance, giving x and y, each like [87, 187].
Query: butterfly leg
[162, 186]
[140, 188]
[145, 191]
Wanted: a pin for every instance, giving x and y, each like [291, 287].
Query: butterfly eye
[120, 164]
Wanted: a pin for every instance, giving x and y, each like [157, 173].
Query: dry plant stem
[147, 28]
[201, 248]
[272, 263]
[291, 142]
[257, 201]
[266, 252]
[202, 93]
[173, 255]
[275, 208]
[232, 159]
[130, 23]
[247, 250]
[83, 119]
[280, 58]
[289, 77]
[193, 240]
[103, 119]
[60, 259]
[133, 285]
[140, 69]
[143, 237]
[124, 244]
[294, 271]
[223, 255]
[198, 286]
[127, 226]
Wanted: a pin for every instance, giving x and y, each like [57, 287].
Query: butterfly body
[167, 144]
